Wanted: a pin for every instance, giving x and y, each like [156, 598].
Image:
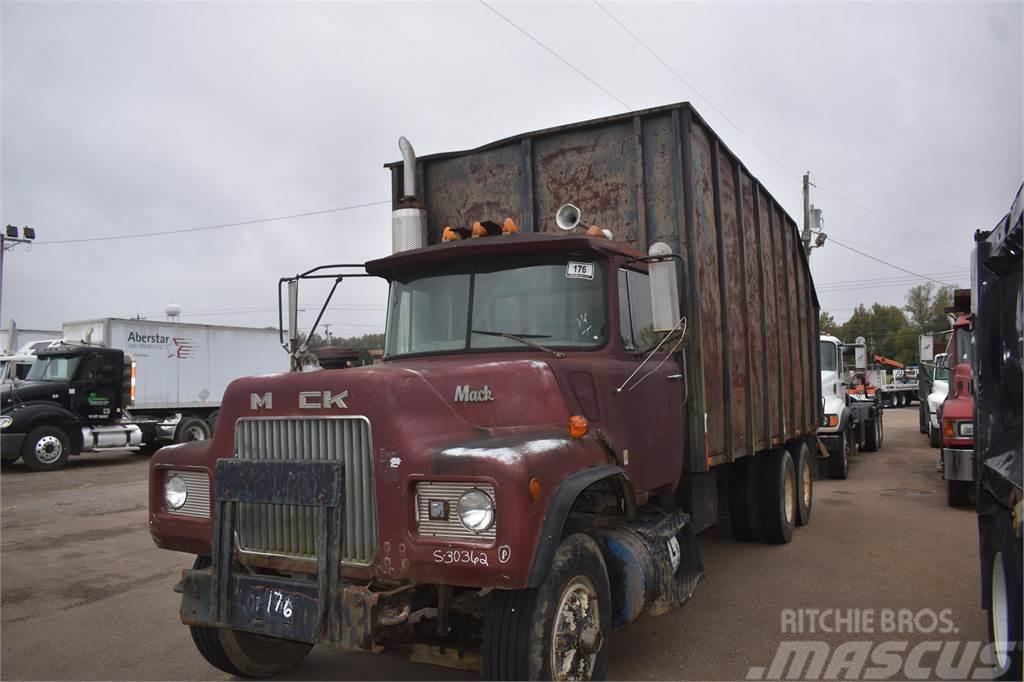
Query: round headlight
[5, 421]
[476, 510]
[175, 492]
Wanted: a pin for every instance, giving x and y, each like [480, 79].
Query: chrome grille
[450, 492]
[197, 500]
[290, 529]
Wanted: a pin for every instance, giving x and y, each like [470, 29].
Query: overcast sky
[120, 119]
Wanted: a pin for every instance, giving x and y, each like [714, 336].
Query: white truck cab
[848, 422]
[940, 388]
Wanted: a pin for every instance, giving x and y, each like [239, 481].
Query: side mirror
[664, 288]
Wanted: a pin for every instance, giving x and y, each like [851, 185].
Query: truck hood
[940, 389]
[422, 402]
[30, 390]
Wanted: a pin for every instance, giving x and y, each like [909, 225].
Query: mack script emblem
[308, 400]
[464, 394]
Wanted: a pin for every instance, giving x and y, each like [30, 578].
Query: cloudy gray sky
[119, 119]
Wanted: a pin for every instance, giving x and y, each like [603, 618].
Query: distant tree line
[892, 331]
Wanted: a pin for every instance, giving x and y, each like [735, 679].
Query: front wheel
[1002, 561]
[244, 654]
[838, 459]
[934, 437]
[558, 630]
[46, 448]
[922, 417]
[873, 438]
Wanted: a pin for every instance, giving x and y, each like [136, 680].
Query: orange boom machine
[591, 331]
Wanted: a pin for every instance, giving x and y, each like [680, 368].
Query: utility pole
[806, 235]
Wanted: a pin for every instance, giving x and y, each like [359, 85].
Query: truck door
[97, 388]
[651, 402]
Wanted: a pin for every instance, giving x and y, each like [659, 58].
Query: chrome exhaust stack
[409, 220]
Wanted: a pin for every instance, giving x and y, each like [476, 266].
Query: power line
[220, 226]
[949, 273]
[557, 56]
[883, 262]
[692, 87]
[904, 256]
[767, 153]
[891, 220]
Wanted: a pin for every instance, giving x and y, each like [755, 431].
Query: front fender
[27, 416]
[557, 513]
[172, 531]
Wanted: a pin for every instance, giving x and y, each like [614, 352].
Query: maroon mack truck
[601, 340]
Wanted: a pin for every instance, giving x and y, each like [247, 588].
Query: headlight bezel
[174, 479]
[476, 502]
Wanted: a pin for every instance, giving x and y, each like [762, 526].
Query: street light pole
[8, 240]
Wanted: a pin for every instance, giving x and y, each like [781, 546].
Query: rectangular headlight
[965, 429]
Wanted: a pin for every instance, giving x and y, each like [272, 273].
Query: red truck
[557, 415]
[956, 413]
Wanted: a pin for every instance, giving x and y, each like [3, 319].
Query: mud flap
[653, 565]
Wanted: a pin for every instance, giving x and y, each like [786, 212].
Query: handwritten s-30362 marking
[460, 556]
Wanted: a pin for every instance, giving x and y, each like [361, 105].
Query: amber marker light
[578, 426]
[534, 488]
[948, 428]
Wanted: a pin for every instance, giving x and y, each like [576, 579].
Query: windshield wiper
[523, 339]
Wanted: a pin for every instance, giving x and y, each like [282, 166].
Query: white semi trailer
[181, 369]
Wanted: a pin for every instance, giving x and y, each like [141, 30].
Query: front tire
[46, 448]
[555, 631]
[1005, 626]
[244, 654]
[934, 437]
[922, 417]
[874, 436]
[839, 460]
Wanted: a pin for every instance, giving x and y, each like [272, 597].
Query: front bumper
[318, 609]
[10, 445]
[287, 608]
[958, 464]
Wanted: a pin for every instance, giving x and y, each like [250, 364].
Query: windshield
[53, 368]
[942, 367]
[552, 305]
[829, 362]
[963, 346]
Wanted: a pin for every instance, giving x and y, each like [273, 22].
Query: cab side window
[636, 319]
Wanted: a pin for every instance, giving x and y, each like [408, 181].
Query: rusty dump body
[367, 468]
[662, 175]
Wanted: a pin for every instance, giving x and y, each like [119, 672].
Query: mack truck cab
[850, 421]
[557, 415]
